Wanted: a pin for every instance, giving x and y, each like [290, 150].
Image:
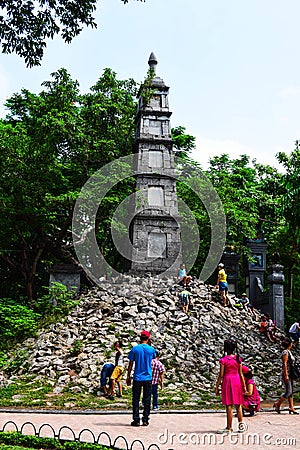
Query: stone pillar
[256, 271]
[276, 295]
[66, 274]
[155, 229]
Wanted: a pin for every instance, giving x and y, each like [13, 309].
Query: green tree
[237, 185]
[289, 209]
[25, 25]
[249, 194]
[50, 145]
[183, 143]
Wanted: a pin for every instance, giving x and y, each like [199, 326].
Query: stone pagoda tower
[155, 229]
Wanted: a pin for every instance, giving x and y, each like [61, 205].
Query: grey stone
[191, 344]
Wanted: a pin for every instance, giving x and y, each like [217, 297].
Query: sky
[232, 66]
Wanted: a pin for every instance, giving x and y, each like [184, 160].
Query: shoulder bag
[294, 369]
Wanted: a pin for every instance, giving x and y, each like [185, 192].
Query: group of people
[238, 387]
[268, 327]
[236, 379]
[222, 286]
[148, 374]
[113, 373]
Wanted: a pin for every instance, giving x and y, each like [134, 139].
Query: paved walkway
[168, 430]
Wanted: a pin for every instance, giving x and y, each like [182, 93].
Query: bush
[17, 438]
[17, 322]
[57, 302]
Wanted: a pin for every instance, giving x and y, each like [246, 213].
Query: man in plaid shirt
[157, 377]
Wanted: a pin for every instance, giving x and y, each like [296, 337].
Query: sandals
[225, 431]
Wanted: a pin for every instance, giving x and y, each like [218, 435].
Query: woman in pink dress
[233, 384]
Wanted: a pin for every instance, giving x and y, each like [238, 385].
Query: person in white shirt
[294, 331]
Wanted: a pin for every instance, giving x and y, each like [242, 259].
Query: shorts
[223, 286]
[106, 372]
[117, 373]
[294, 336]
[184, 301]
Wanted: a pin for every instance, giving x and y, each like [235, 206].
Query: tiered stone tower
[155, 229]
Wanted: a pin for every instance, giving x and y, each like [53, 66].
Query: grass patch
[174, 398]
[25, 392]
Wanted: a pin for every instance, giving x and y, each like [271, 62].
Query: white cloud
[207, 148]
[4, 90]
[289, 91]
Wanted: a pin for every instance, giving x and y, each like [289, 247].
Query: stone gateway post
[155, 229]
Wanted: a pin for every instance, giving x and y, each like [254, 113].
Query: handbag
[294, 369]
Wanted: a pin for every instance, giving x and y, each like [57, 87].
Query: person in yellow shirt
[222, 284]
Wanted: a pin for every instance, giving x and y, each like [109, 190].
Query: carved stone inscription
[155, 158]
[157, 245]
[156, 196]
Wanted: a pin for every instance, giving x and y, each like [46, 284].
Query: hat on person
[244, 295]
[221, 265]
[145, 333]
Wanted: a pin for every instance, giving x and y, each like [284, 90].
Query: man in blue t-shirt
[142, 356]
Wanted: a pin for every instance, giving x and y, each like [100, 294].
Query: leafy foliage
[71, 136]
[25, 25]
[34, 442]
[76, 348]
[183, 143]
[289, 208]
[16, 322]
[12, 363]
[56, 303]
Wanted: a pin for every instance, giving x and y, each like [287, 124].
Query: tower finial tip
[152, 61]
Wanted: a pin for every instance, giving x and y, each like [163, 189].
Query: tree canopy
[52, 142]
[25, 25]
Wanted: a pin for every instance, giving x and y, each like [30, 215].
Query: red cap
[145, 333]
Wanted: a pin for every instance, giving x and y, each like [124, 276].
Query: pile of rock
[191, 344]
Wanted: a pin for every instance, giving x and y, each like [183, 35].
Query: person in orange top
[264, 328]
[263, 324]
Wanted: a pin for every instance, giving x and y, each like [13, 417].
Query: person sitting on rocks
[265, 329]
[244, 300]
[294, 332]
[247, 304]
[251, 401]
[183, 278]
[272, 327]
